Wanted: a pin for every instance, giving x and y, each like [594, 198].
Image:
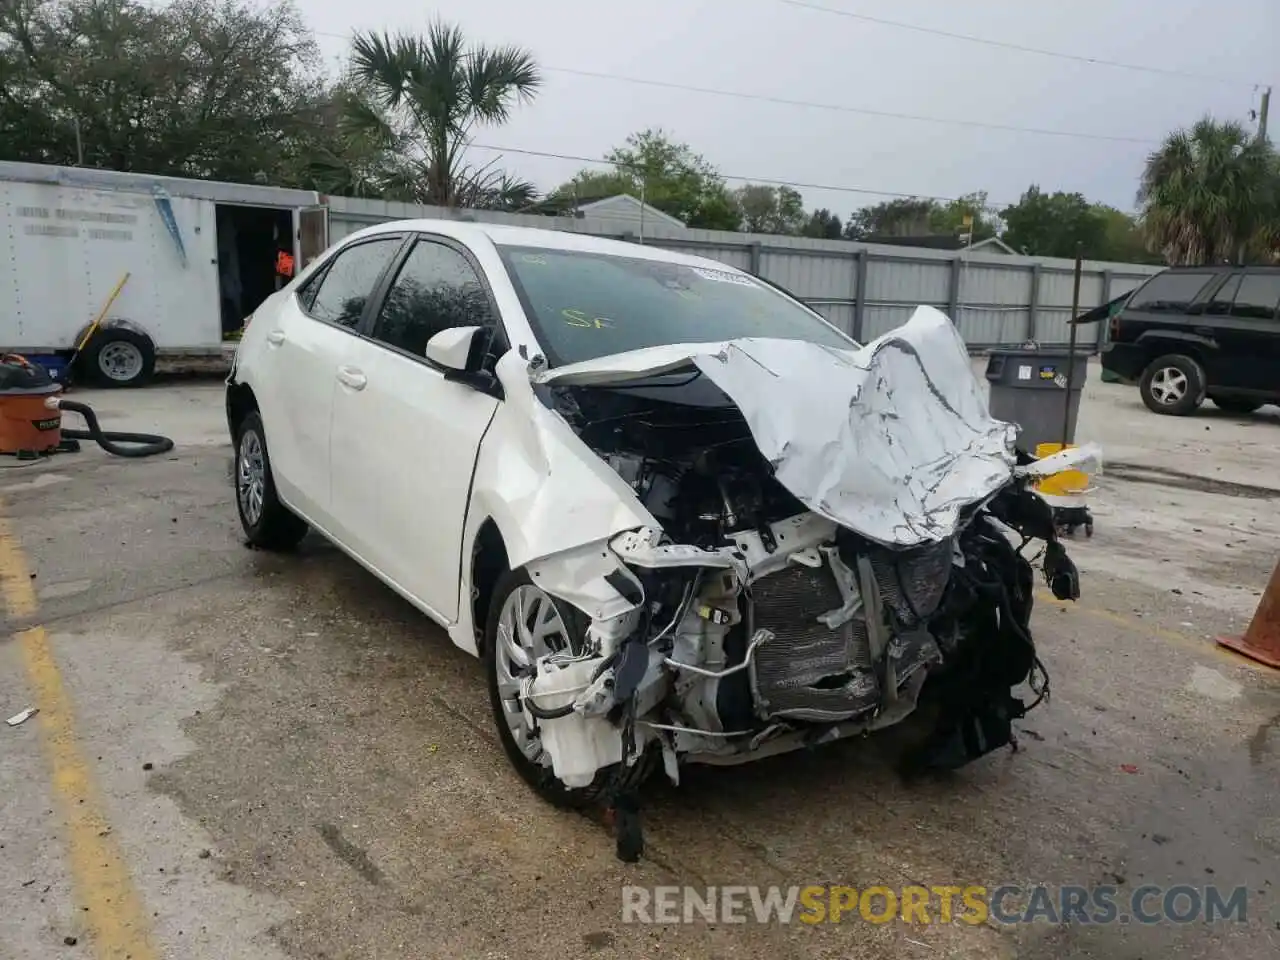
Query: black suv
[1195, 332]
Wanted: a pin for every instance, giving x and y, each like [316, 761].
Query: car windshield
[588, 305]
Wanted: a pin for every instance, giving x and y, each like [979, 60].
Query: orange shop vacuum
[31, 408]
[29, 428]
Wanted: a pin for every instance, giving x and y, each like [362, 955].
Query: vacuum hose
[140, 444]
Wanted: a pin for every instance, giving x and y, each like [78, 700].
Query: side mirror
[461, 351]
[459, 348]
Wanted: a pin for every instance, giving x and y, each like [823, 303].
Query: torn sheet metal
[1087, 459]
[891, 440]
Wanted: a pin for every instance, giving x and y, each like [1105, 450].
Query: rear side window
[1170, 292]
[350, 279]
[1259, 294]
[437, 288]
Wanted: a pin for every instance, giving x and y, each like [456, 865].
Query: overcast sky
[775, 49]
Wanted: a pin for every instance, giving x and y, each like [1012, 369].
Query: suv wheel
[525, 623]
[267, 522]
[1173, 385]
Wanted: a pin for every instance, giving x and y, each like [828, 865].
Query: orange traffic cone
[1261, 641]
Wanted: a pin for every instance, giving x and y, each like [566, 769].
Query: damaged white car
[681, 516]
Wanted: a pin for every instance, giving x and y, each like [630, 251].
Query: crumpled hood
[891, 440]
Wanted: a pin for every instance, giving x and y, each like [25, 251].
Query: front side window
[587, 305]
[437, 288]
[1259, 294]
[1170, 292]
[350, 279]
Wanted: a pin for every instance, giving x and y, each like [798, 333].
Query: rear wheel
[120, 357]
[1241, 407]
[525, 623]
[266, 521]
[1173, 385]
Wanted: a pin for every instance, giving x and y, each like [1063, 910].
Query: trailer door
[313, 233]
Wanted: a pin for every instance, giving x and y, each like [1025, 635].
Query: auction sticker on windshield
[721, 276]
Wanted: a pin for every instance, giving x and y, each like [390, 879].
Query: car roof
[503, 235]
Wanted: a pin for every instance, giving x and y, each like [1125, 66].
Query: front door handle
[275, 337]
[351, 377]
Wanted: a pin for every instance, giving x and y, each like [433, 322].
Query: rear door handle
[275, 337]
[351, 377]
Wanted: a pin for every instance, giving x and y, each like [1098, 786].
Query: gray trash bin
[1029, 388]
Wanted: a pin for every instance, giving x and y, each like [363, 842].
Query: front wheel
[526, 623]
[266, 521]
[1173, 385]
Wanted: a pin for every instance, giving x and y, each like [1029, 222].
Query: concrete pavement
[279, 758]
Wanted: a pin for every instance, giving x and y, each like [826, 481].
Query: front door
[306, 341]
[405, 440]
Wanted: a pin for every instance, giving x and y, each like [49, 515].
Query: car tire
[1240, 407]
[119, 357]
[267, 523]
[498, 673]
[1173, 385]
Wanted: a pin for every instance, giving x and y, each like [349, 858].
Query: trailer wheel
[119, 357]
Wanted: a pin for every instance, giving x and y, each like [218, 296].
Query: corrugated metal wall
[865, 289]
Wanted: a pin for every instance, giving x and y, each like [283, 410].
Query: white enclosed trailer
[199, 257]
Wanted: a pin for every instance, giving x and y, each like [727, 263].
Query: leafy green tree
[667, 175]
[824, 225]
[423, 97]
[904, 217]
[948, 219]
[1050, 225]
[1211, 193]
[921, 217]
[768, 209]
[221, 89]
[1124, 241]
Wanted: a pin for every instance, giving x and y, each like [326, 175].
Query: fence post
[859, 293]
[754, 250]
[953, 297]
[1106, 298]
[1033, 311]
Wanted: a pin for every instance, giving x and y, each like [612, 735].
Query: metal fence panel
[820, 277]
[988, 326]
[908, 281]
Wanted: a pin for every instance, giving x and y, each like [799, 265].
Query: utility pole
[1262, 114]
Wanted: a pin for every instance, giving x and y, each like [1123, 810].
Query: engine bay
[686, 451]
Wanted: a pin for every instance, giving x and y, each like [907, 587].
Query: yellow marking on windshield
[578, 318]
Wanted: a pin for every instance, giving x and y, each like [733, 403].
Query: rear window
[1170, 292]
[1258, 296]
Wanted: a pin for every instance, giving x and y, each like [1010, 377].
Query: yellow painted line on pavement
[116, 916]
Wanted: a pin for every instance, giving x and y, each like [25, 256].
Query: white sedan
[680, 516]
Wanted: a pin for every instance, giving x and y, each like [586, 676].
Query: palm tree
[1210, 193]
[424, 96]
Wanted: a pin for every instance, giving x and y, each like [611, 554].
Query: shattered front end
[821, 568]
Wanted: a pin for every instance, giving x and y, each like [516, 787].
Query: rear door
[296, 374]
[405, 439]
[1255, 332]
